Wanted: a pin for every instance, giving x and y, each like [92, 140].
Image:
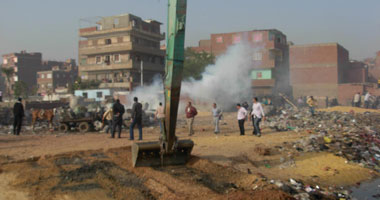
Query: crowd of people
[366, 101]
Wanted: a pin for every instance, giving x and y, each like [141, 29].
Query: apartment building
[116, 49]
[25, 66]
[59, 77]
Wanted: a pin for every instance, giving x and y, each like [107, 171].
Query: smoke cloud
[226, 82]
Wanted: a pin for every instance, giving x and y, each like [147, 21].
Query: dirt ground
[224, 166]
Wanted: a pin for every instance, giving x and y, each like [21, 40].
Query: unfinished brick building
[270, 70]
[324, 70]
[113, 50]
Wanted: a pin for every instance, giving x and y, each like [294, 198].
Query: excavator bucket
[148, 154]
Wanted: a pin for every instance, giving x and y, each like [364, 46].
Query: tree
[21, 89]
[196, 63]
[8, 72]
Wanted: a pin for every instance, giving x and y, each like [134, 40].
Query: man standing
[160, 116]
[216, 114]
[191, 112]
[118, 111]
[136, 119]
[18, 113]
[366, 100]
[256, 115]
[357, 99]
[241, 115]
[312, 103]
[107, 119]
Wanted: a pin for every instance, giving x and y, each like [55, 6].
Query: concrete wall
[92, 94]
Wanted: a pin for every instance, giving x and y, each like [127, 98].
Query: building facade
[59, 77]
[25, 66]
[114, 51]
[270, 70]
[325, 70]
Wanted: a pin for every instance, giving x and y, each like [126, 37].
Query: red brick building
[324, 70]
[374, 71]
[270, 71]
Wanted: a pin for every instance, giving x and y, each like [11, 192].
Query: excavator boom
[169, 150]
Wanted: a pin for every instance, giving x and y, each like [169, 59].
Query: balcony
[115, 85]
[105, 67]
[122, 65]
[119, 47]
[94, 32]
[263, 83]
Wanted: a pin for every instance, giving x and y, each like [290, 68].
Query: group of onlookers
[366, 101]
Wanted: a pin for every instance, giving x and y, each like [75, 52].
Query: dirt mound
[109, 175]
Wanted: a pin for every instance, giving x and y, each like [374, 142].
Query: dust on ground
[94, 166]
[348, 109]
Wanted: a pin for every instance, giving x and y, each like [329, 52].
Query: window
[108, 41]
[116, 57]
[107, 60]
[219, 39]
[98, 59]
[116, 21]
[5, 61]
[257, 37]
[257, 56]
[134, 23]
[236, 39]
[42, 75]
[50, 85]
[48, 76]
[261, 74]
[85, 95]
[99, 94]
[15, 69]
[278, 39]
[15, 78]
[15, 59]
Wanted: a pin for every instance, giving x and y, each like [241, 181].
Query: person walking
[191, 112]
[257, 115]
[241, 115]
[136, 119]
[160, 116]
[366, 100]
[312, 103]
[118, 111]
[18, 114]
[357, 99]
[107, 119]
[216, 114]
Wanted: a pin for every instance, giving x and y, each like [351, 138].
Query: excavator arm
[169, 150]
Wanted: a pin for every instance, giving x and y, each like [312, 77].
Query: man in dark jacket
[191, 112]
[136, 119]
[18, 113]
[118, 111]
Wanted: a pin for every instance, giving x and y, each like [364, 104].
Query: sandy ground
[232, 156]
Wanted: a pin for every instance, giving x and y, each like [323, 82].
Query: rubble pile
[353, 136]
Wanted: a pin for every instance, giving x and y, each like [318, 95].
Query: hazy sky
[51, 26]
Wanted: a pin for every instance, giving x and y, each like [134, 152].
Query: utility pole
[142, 74]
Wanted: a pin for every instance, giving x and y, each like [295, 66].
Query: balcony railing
[94, 31]
[119, 47]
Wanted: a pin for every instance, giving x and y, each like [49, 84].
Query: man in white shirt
[256, 115]
[357, 100]
[216, 114]
[160, 116]
[241, 115]
[366, 100]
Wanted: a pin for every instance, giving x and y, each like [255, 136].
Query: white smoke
[226, 82]
[152, 94]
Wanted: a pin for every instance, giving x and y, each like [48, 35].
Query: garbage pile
[353, 136]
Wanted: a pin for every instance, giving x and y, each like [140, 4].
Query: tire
[84, 127]
[63, 127]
